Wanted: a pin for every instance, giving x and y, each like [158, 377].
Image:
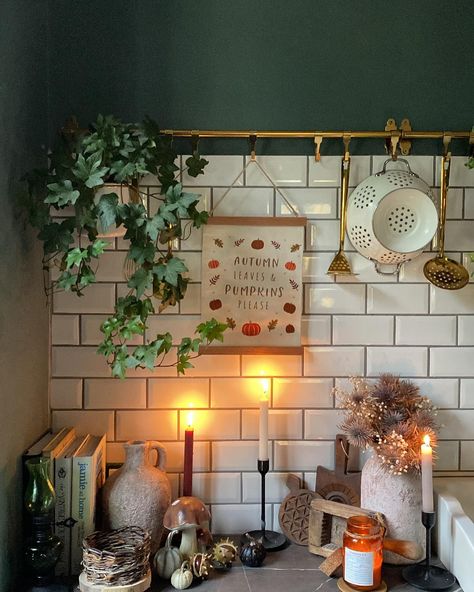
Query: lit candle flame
[426, 440]
[190, 418]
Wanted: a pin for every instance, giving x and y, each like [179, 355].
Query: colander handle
[402, 160]
[379, 270]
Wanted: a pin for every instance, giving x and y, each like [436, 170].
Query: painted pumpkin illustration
[289, 307]
[289, 329]
[215, 304]
[251, 329]
[290, 265]
[257, 244]
[213, 264]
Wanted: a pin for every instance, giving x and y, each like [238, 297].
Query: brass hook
[394, 139]
[318, 140]
[446, 143]
[253, 142]
[194, 141]
[346, 138]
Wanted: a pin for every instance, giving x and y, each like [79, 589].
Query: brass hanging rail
[311, 134]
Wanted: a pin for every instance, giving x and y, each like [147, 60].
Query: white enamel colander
[391, 216]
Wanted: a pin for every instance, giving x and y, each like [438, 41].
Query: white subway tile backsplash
[243, 201]
[271, 365]
[427, 330]
[85, 422]
[322, 424]
[173, 393]
[238, 517]
[334, 299]
[447, 456]
[397, 298]
[352, 325]
[147, 425]
[175, 456]
[65, 329]
[467, 259]
[66, 393]
[450, 361]
[467, 393]
[282, 424]
[110, 393]
[333, 361]
[275, 487]
[96, 298]
[452, 301]
[459, 235]
[235, 392]
[316, 330]
[456, 424]
[322, 235]
[327, 172]
[466, 330]
[442, 391]
[315, 267]
[460, 175]
[236, 455]
[467, 456]
[213, 425]
[303, 455]
[362, 330]
[302, 392]
[407, 361]
[284, 171]
[222, 171]
[313, 203]
[223, 488]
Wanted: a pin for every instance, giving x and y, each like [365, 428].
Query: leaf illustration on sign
[276, 245]
[272, 324]
[237, 243]
[294, 285]
[295, 247]
[214, 279]
[218, 242]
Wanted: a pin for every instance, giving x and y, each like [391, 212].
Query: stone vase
[139, 493]
[398, 498]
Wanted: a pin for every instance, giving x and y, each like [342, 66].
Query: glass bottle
[363, 553]
[43, 547]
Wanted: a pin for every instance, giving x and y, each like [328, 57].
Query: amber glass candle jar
[363, 554]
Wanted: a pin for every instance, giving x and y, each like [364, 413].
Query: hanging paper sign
[252, 280]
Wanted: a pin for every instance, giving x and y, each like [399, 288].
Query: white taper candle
[427, 475]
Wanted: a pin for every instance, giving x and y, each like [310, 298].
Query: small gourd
[168, 559]
[182, 577]
[253, 553]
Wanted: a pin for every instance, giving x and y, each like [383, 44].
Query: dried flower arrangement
[390, 416]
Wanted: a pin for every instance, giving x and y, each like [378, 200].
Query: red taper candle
[188, 456]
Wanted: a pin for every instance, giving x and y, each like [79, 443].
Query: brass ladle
[340, 265]
[441, 271]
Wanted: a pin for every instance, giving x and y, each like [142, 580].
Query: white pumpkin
[182, 578]
[168, 559]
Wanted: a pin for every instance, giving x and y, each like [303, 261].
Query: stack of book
[77, 473]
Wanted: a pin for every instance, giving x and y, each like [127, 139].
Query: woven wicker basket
[116, 557]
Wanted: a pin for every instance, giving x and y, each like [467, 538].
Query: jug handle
[160, 454]
[379, 270]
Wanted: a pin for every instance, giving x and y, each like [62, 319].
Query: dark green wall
[23, 315]
[267, 64]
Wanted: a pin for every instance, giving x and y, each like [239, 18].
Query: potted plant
[390, 417]
[93, 184]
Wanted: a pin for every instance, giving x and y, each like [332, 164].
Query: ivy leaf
[62, 193]
[141, 280]
[89, 170]
[66, 280]
[75, 257]
[141, 254]
[154, 226]
[97, 248]
[196, 164]
[86, 277]
[183, 364]
[169, 270]
[56, 237]
[107, 210]
[211, 330]
[200, 218]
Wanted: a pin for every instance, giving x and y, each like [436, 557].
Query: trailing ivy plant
[63, 206]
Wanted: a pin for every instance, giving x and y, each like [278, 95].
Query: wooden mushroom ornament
[186, 515]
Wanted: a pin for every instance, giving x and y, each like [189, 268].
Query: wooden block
[331, 563]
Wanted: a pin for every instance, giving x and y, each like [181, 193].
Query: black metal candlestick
[424, 575]
[271, 540]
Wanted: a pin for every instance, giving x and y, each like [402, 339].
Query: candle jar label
[358, 567]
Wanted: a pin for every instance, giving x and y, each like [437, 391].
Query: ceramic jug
[139, 493]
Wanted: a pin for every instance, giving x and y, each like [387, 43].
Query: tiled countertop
[292, 569]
